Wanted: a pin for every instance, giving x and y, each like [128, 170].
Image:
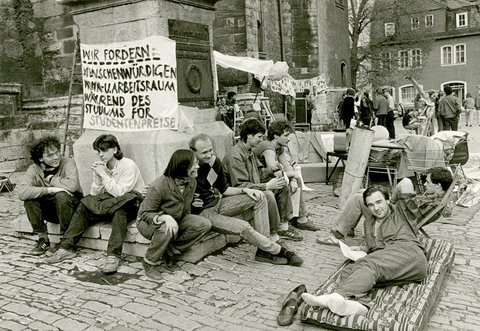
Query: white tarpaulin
[254, 66]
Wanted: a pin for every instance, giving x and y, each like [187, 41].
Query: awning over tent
[262, 68]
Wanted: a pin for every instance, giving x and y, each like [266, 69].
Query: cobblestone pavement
[228, 290]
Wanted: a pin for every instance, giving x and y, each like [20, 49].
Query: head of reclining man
[438, 180]
[377, 199]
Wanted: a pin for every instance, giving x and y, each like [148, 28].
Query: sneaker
[290, 234]
[41, 247]
[61, 255]
[292, 258]
[111, 265]
[308, 226]
[53, 249]
[152, 271]
[263, 256]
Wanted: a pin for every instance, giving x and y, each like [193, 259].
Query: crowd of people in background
[432, 111]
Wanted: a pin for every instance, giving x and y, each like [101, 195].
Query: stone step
[96, 237]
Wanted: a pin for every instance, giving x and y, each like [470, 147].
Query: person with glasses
[50, 190]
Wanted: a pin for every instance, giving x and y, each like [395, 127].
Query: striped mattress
[397, 308]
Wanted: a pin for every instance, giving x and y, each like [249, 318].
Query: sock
[343, 307]
[43, 235]
[316, 301]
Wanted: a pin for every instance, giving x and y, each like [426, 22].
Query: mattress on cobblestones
[400, 308]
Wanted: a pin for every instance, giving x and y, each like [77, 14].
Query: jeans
[190, 229]
[280, 203]
[351, 214]
[83, 218]
[450, 123]
[398, 263]
[390, 124]
[382, 120]
[469, 116]
[223, 222]
[57, 208]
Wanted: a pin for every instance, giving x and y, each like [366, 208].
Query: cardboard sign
[130, 86]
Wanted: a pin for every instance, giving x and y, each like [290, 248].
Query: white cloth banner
[130, 86]
[290, 86]
[248, 64]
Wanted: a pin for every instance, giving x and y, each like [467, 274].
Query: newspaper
[351, 254]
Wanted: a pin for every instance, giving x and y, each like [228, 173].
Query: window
[429, 21]
[385, 61]
[447, 55]
[403, 59]
[407, 94]
[389, 29]
[460, 54]
[462, 20]
[416, 58]
[410, 59]
[415, 23]
[451, 55]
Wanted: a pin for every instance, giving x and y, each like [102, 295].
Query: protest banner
[130, 86]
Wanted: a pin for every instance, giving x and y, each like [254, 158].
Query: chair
[5, 180]
[446, 199]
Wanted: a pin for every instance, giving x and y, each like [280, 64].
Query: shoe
[53, 249]
[328, 240]
[61, 255]
[290, 234]
[283, 244]
[111, 265]
[263, 256]
[307, 226]
[152, 271]
[41, 247]
[290, 305]
[292, 258]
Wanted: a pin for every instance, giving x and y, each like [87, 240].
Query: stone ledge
[96, 237]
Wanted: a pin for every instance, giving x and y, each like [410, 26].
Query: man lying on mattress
[395, 254]
[414, 207]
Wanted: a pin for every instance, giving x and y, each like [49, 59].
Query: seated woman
[164, 216]
[114, 197]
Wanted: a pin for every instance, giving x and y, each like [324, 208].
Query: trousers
[57, 208]
[83, 218]
[223, 221]
[191, 228]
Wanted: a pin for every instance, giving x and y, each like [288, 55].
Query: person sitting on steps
[221, 204]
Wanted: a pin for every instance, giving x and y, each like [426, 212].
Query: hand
[359, 248]
[144, 191]
[276, 183]
[197, 203]
[253, 194]
[293, 185]
[171, 226]
[55, 190]
[100, 169]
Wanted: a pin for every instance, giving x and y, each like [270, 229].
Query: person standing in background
[469, 105]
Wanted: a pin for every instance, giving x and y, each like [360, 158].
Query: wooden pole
[357, 161]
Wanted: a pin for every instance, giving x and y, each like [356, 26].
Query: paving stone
[140, 309]
[20, 309]
[68, 324]
[176, 321]
[96, 306]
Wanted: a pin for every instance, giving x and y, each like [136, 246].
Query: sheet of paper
[348, 253]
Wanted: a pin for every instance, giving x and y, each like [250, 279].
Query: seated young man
[395, 256]
[114, 196]
[50, 190]
[413, 206]
[272, 153]
[243, 169]
[220, 203]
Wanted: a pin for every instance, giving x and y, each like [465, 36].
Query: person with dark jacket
[449, 110]
[348, 107]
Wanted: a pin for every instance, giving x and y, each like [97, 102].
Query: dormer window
[462, 20]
